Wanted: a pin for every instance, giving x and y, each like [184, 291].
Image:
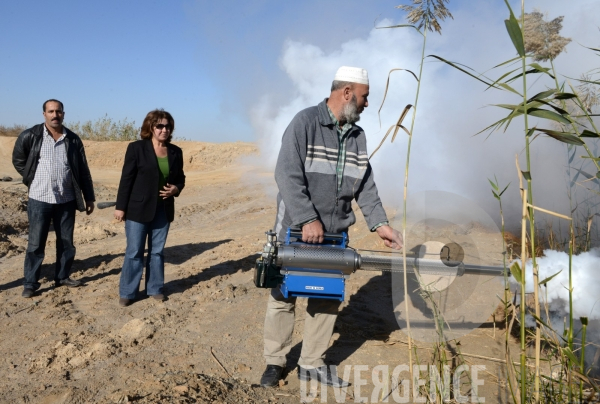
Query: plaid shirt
[341, 160]
[52, 182]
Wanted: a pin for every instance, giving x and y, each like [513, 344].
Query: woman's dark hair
[152, 119]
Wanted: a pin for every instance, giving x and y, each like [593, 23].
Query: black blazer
[138, 188]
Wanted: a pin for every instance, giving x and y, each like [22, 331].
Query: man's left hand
[89, 207]
[391, 238]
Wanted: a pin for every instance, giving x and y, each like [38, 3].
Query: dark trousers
[40, 215]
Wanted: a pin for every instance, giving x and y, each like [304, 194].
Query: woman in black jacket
[152, 175]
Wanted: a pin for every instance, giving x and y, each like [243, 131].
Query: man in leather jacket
[52, 161]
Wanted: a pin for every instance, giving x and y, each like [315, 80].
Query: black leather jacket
[26, 155]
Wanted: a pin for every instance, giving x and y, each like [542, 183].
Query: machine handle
[297, 233]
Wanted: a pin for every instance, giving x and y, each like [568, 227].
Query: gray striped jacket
[307, 180]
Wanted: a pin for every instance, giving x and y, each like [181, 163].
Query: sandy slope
[77, 345]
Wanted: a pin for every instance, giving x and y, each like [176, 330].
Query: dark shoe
[322, 375]
[160, 297]
[271, 376]
[27, 292]
[72, 283]
[124, 302]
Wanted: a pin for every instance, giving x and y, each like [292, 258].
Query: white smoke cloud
[445, 155]
[311, 71]
[585, 279]
[586, 302]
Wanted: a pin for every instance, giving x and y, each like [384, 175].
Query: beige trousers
[279, 326]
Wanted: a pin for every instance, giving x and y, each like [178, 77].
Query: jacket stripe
[280, 215]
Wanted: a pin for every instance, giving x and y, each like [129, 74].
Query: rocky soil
[204, 344]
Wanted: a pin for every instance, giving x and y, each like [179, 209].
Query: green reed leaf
[493, 126]
[541, 96]
[457, 66]
[493, 185]
[539, 68]
[569, 354]
[519, 107]
[554, 107]
[402, 26]
[507, 62]
[509, 88]
[564, 96]
[545, 114]
[594, 49]
[505, 188]
[565, 137]
[588, 133]
[532, 71]
[512, 107]
[515, 270]
[586, 81]
[516, 36]
[588, 176]
[539, 320]
[548, 279]
[503, 76]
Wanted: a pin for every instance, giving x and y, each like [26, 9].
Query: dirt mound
[171, 387]
[197, 155]
[200, 388]
[13, 221]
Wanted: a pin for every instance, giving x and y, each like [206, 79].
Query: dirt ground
[204, 344]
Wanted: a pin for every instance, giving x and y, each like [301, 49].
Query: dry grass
[11, 131]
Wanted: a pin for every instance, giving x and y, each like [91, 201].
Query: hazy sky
[209, 63]
[206, 62]
[233, 70]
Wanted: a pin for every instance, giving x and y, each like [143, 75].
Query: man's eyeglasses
[160, 126]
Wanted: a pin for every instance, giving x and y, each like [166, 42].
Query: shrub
[12, 131]
[105, 129]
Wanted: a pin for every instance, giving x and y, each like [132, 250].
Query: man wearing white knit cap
[322, 167]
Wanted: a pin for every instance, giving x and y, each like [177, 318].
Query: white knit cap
[352, 75]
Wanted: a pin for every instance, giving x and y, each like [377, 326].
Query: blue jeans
[156, 232]
[40, 215]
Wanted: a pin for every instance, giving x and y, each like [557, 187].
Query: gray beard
[350, 112]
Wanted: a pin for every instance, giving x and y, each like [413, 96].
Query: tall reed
[424, 16]
[548, 107]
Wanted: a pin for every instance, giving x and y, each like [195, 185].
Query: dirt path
[204, 344]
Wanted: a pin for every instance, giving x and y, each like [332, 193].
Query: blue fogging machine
[320, 270]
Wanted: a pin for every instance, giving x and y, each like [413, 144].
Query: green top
[163, 173]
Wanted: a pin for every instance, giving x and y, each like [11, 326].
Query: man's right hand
[312, 232]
